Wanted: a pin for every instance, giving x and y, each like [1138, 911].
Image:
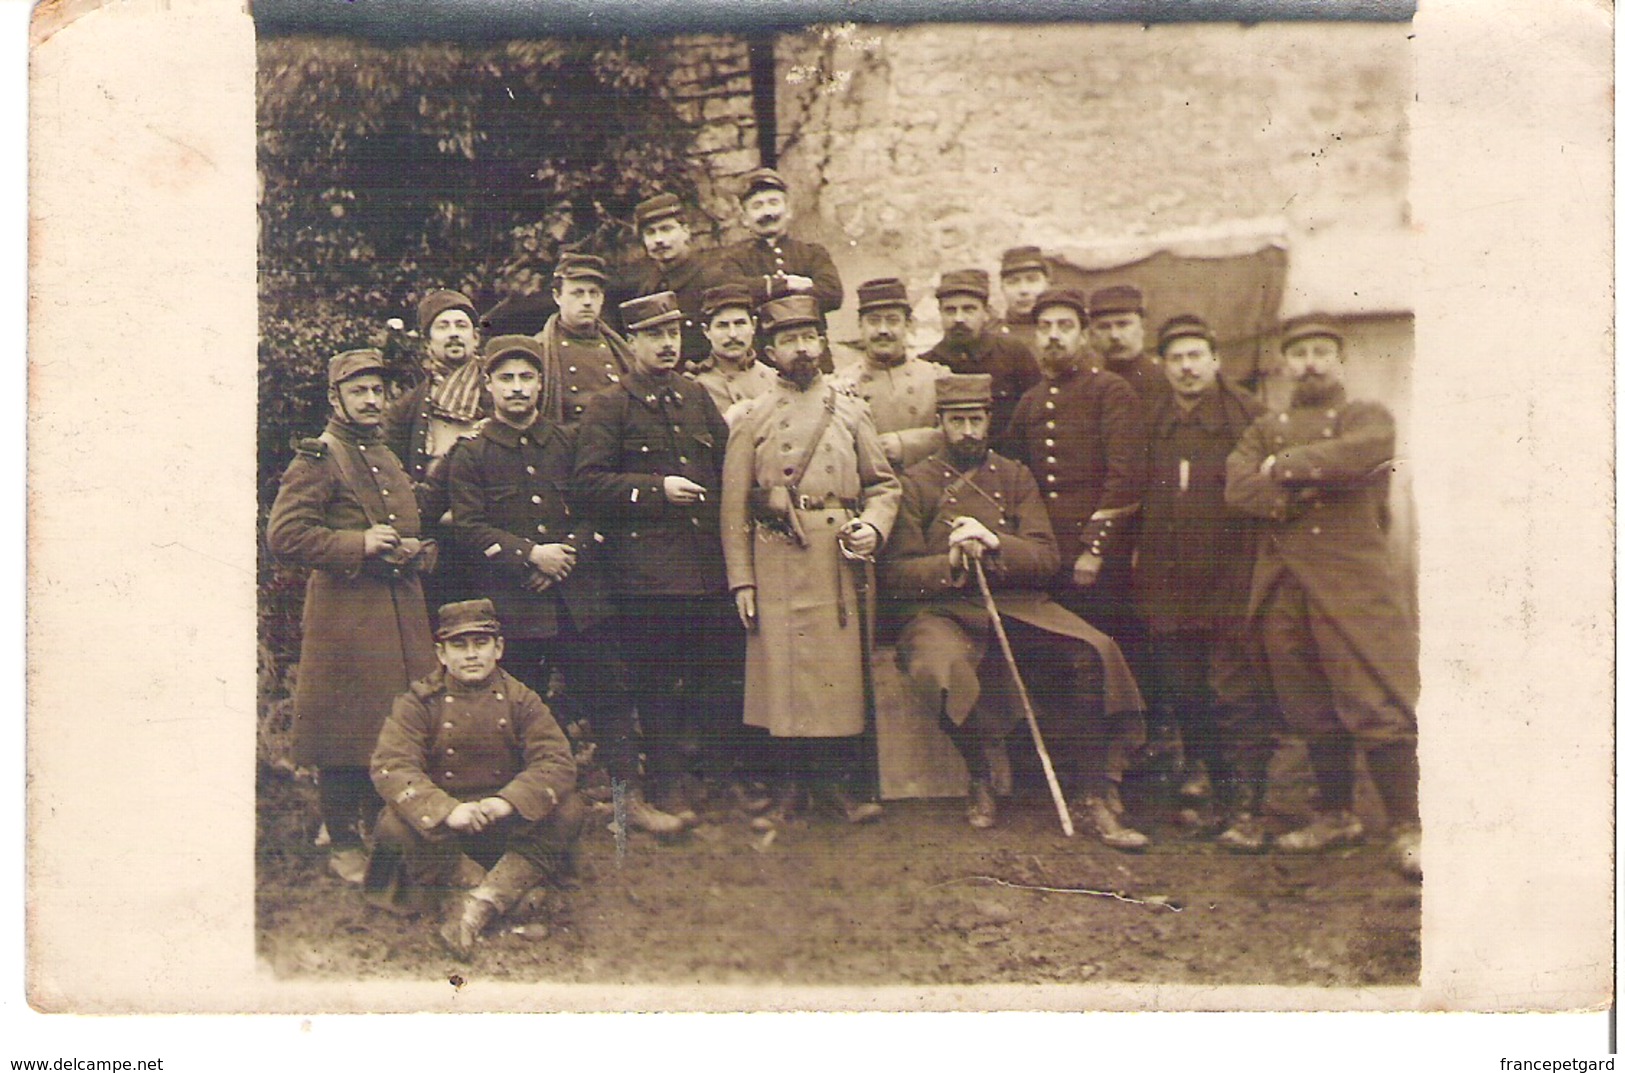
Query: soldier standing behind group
[582, 353]
[541, 562]
[347, 511]
[423, 425]
[972, 343]
[672, 265]
[1023, 276]
[649, 465]
[805, 482]
[734, 372]
[1117, 334]
[1327, 595]
[900, 389]
[1191, 576]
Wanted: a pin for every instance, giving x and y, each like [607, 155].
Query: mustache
[773, 219]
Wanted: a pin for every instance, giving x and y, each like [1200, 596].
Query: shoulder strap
[817, 438]
[349, 475]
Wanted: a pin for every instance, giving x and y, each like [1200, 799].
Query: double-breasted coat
[509, 493]
[902, 400]
[632, 437]
[1145, 375]
[1193, 565]
[947, 630]
[728, 385]
[1322, 507]
[365, 630]
[803, 662]
[446, 742]
[688, 279]
[762, 264]
[1082, 434]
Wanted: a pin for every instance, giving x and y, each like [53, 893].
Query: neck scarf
[456, 395]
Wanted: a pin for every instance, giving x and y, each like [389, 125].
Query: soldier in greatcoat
[972, 343]
[471, 761]
[1326, 593]
[423, 425]
[672, 265]
[542, 562]
[965, 505]
[346, 510]
[1191, 578]
[735, 372]
[899, 388]
[649, 466]
[805, 484]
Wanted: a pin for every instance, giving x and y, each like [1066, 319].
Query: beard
[1313, 390]
[800, 371]
[967, 455]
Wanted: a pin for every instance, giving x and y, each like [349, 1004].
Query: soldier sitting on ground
[471, 761]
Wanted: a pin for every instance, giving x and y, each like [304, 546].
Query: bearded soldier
[971, 342]
[805, 486]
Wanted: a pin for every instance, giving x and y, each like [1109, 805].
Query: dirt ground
[917, 898]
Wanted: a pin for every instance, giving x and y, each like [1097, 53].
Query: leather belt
[826, 502]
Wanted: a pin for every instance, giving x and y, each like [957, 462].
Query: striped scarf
[456, 396]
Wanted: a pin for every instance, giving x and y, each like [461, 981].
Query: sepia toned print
[1062, 192]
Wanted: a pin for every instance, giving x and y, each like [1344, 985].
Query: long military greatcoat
[508, 494]
[1193, 566]
[365, 632]
[1083, 437]
[803, 665]
[948, 630]
[632, 437]
[902, 400]
[1322, 507]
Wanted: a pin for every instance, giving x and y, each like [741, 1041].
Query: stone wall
[709, 86]
[930, 146]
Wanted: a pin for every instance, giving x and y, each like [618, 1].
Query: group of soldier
[702, 529]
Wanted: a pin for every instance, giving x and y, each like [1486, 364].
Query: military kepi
[353, 363]
[1063, 296]
[522, 347]
[650, 310]
[659, 207]
[1121, 298]
[971, 281]
[1021, 259]
[882, 294]
[793, 312]
[1184, 326]
[763, 179]
[437, 302]
[467, 616]
[1307, 327]
[580, 266]
[965, 391]
[723, 296]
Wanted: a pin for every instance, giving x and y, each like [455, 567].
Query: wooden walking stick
[1026, 701]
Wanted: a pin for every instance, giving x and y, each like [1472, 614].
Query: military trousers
[1207, 684]
[595, 679]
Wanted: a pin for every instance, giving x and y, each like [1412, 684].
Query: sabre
[1026, 701]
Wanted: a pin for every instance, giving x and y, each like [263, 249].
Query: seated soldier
[471, 761]
[966, 505]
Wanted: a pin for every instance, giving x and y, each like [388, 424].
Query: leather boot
[1242, 802]
[642, 815]
[1326, 830]
[1097, 817]
[1408, 851]
[855, 809]
[786, 803]
[466, 917]
[983, 810]
[503, 886]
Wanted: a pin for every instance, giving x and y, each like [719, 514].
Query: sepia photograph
[1085, 513]
[843, 505]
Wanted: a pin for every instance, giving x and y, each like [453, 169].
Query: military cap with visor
[725, 296]
[1119, 298]
[650, 311]
[887, 293]
[763, 179]
[1184, 326]
[965, 391]
[794, 311]
[513, 348]
[1063, 296]
[1022, 259]
[971, 281]
[660, 207]
[1308, 326]
[353, 363]
[467, 616]
[580, 266]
